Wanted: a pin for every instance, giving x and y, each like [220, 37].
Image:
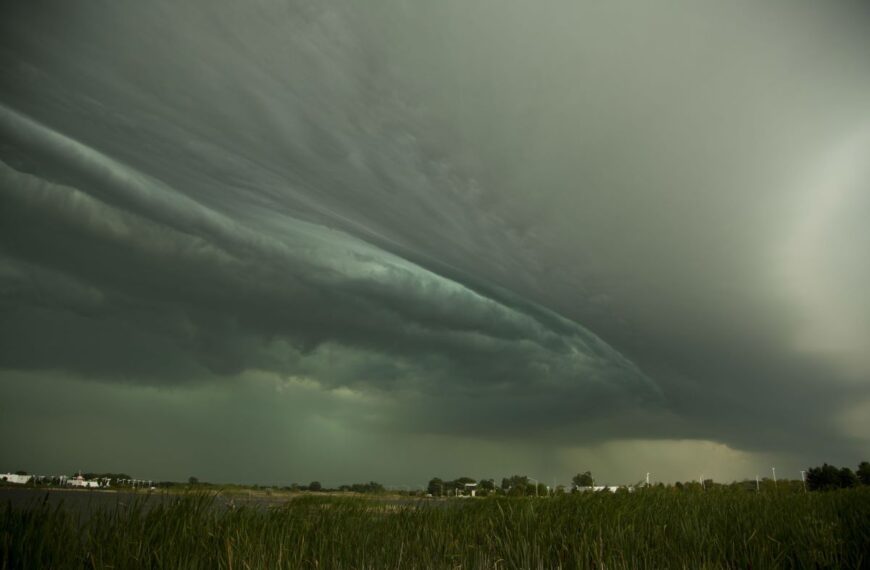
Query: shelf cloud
[571, 223]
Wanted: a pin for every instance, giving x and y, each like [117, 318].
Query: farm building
[597, 488]
[15, 478]
[79, 481]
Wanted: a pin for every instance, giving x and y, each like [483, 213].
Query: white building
[79, 481]
[597, 488]
[17, 479]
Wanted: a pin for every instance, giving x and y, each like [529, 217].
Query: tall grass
[652, 529]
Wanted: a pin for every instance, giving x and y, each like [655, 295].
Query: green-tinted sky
[281, 241]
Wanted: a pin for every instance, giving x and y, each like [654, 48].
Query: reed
[650, 529]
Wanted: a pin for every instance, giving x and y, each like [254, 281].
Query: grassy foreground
[650, 529]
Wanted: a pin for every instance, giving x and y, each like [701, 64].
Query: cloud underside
[114, 276]
[579, 221]
[261, 428]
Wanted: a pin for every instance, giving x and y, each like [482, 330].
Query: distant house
[471, 489]
[597, 488]
[15, 478]
[79, 481]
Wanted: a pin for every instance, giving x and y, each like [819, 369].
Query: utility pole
[647, 479]
[804, 479]
[774, 475]
[757, 484]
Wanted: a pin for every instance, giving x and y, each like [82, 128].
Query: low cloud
[152, 287]
[576, 222]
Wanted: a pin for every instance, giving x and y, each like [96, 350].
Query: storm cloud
[572, 223]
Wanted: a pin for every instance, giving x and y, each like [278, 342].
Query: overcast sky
[280, 241]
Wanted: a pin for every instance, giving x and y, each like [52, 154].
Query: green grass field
[657, 528]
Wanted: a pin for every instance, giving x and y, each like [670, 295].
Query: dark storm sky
[276, 241]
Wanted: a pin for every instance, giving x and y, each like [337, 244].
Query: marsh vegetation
[653, 528]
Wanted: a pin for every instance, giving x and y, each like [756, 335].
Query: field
[654, 528]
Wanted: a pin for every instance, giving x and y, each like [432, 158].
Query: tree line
[828, 477]
[821, 478]
[515, 485]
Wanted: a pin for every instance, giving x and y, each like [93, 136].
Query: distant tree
[517, 485]
[485, 487]
[460, 483]
[192, 480]
[829, 477]
[745, 485]
[519, 481]
[583, 479]
[370, 487]
[847, 478]
[115, 477]
[821, 478]
[486, 484]
[435, 487]
[21, 473]
[864, 473]
[315, 486]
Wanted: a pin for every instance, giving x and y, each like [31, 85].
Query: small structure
[15, 478]
[471, 489]
[79, 481]
[597, 488]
